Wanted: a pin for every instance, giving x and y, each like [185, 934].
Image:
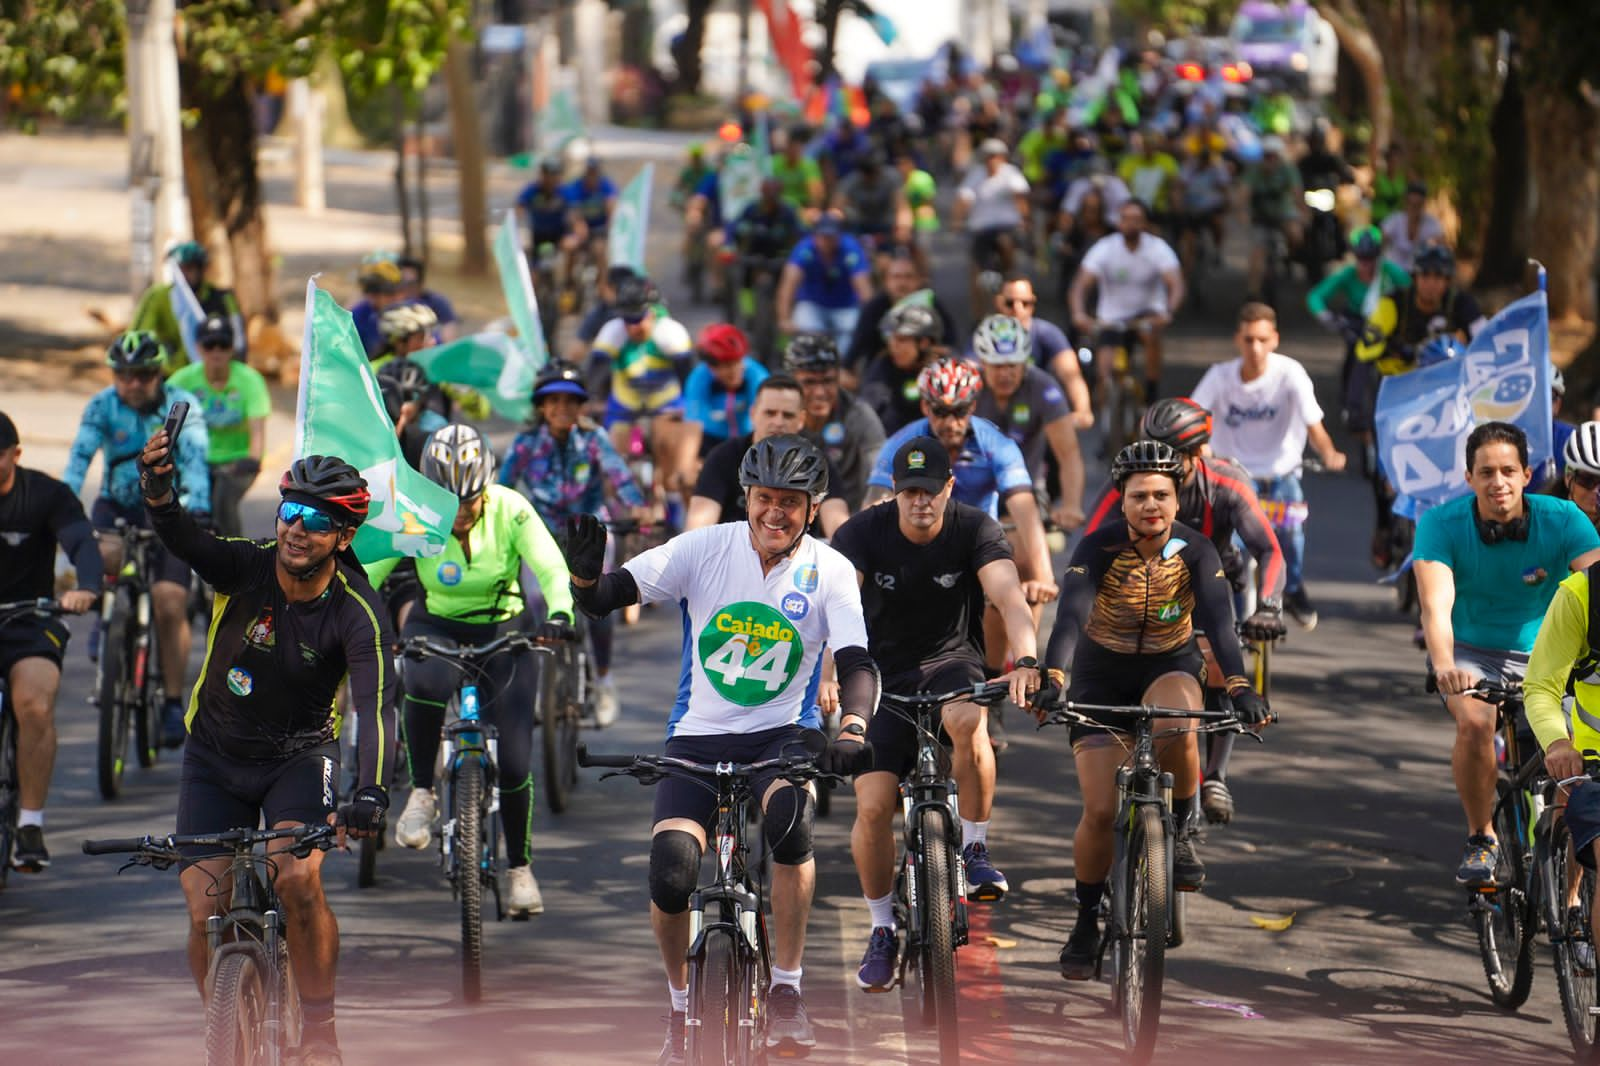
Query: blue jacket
[111, 426]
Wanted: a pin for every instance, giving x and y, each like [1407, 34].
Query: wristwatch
[1027, 662]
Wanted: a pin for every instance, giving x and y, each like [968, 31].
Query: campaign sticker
[449, 573]
[240, 682]
[805, 578]
[795, 606]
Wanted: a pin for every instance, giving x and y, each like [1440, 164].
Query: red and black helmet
[1178, 422]
[328, 482]
[723, 343]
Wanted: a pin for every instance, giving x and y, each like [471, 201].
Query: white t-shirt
[1398, 245]
[1113, 194]
[993, 197]
[752, 643]
[1262, 423]
[1130, 281]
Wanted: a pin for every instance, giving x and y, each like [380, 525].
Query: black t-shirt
[719, 480]
[37, 514]
[1455, 314]
[892, 393]
[923, 602]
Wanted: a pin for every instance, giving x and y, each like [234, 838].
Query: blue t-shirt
[990, 464]
[827, 283]
[711, 188]
[1502, 589]
[591, 203]
[547, 212]
[1559, 432]
[439, 305]
[705, 400]
[366, 318]
[1048, 340]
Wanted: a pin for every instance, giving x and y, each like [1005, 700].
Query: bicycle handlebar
[425, 648]
[42, 605]
[307, 836]
[986, 694]
[789, 766]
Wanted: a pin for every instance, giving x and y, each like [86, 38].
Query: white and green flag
[739, 183]
[340, 412]
[631, 221]
[517, 284]
[559, 124]
[491, 363]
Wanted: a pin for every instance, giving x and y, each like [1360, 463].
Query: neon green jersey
[229, 410]
[1563, 640]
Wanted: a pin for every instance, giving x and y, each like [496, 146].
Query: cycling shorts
[1583, 818]
[893, 738]
[217, 793]
[164, 566]
[618, 412]
[989, 246]
[677, 797]
[32, 638]
[1114, 678]
[1126, 338]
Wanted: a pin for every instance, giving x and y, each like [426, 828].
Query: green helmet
[135, 350]
[189, 253]
[1366, 241]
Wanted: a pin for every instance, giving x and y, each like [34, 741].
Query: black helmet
[393, 398]
[910, 320]
[136, 349]
[458, 457]
[812, 351]
[217, 328]
[1178, 422]
[559, 378]
[1146, 457]
[410, 376]
[331, 483]
[633, 296]
[787, 461]
[1435, 257]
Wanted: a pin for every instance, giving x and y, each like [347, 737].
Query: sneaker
[878, 964]
[526, 899]
[173, 729]
[30, 855]
[672, 1052]
[320, 1051]
[606, 706]
[1216, 801]
[985, 884]
[1478, 860]
[415, 827]
[1188, 872]
[997, 731]
[788, 1029]
[1298, 604]
[1082, 949]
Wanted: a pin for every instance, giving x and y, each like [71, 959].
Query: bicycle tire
[938, 948]
[1578, 990]
[289, 1014]
[712, 999]
[10, 799]
[235, 1010]
[1141, 961]
[467, 796]
[146, 713]
[367, 862]
[1503, 918]
[559, 734]
[116, 705]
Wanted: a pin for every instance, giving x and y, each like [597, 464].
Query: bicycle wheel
[938, 952]
[1504, 917]
[713, 1000]
[1142, 946]
[367, 862]
[10, 801]
[116, 701]
[467, 813]
[1574, 949]
[146, 710]
[559, 713]
[235, 1010]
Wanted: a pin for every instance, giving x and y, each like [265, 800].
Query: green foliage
[60, 58]
[1181, 16]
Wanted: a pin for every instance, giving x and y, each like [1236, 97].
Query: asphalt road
[1347, 823]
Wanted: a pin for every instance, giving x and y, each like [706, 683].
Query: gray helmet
[787, 461]
[1145, 457]
[458, 458]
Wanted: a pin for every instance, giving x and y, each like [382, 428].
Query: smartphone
[174, 426]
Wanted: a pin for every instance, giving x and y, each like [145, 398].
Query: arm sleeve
[226, 564]
[613, 590]
[859, 683]
[1107, 508]
[88, 440]
[1078, 587]
[76, 537]
[1255, 529]
[1213, 607]
[367, 641]
[543, 556]
[1563, 639]
[1317, 298]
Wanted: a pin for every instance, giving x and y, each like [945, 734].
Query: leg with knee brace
[674, 870]
[787, 823]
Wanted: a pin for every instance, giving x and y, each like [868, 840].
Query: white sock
[680, 998]
[974, 832]
[27, 817]
[882, 911]
[786, 977]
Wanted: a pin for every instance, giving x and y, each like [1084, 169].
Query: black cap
[215, 327]
[921, 463]
[8, 432]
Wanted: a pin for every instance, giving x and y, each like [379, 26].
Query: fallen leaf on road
[1241, 1009]
[1273, 925]
[1000, 942]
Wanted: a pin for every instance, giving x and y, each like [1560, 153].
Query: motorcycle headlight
[1320, 199]
[1300, 62]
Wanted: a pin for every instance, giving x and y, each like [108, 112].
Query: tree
[687, 47]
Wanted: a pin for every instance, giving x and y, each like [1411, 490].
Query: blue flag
[1424, 417]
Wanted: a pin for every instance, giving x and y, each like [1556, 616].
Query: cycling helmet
[787, 461]
[1366, 241]
[189, 253]
[410, 376]
[723, 343]
[949, 383]
[1583, 449]
[216, 329]
[1146, 457]
[379, 275]
[812, 351]
[136, 350]
[559, 378]
[458, 458]
[394, 399]
[1178, 422]
[910, 320]
[550, 164]
[330, 483]
[633, 296]
[1001, 339]
[406, 320]
[1435, 257]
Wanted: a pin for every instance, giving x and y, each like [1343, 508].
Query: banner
[630, 222]
[1424, 417]
[788, 43]
[559, 124]
[517, 285]
[739, 183]
[186, 309]
[340, 412]
[491, 363]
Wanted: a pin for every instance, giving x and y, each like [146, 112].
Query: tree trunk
[828, 19]
[1357, 42]
[467, 136]
[402, 178]
[1563, 131]
[686, 49]
[1505, 239]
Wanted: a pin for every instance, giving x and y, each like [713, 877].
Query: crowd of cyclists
[850, 490]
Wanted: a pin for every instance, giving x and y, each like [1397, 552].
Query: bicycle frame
[466, 738]
[923, 788]
[1141, 784]
[733, 892]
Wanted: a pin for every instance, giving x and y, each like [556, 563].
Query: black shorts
[164, 565]
[32, 638]
[1115, 678]
[991, 247]
[893, 738]
[1121, 338]
[217, 793]
[678, 797]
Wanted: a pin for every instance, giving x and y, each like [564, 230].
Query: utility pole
[306, 106]
[155, 147]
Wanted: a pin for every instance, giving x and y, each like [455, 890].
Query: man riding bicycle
[824, 283]
[594, 197]
[552, 218]
[720, 391]
[844, 427]
[992, 202]
[911, 335]
[1276, 211]
[763, 235]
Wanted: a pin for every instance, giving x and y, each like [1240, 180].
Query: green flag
[560, 123]
[340, 412]
[492, 363]
[517, 284]
[631, 221]
[739, 183]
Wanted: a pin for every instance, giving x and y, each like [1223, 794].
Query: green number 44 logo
[749, 652]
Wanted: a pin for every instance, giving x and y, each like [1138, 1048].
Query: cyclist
[115, 422]
[799, 175]
[920, 192]
[992, 202]
[1133, 595]
[470, 594]
[1354, 292]
[1150, 173]
[889, 384]
[903, 282]
[694, 170]
[1508, 546]
[1389, 183]
[603, 311]
[235, 404]
[1411, 228]
[1051, 349]
[720, 390]
[844, 427]
[1140, 283]
[37, 513]
[925, 566]
[824, 283]
[1433, 307]
[1266, 411]
[552, 219]
[414, 289]
[379, 279]
[871, 203]
[762, 237]
[1276, 206]
[759, 602]
[407, 328]
[1581, 478]
[594, 197]
[295, 620]
[156, 314]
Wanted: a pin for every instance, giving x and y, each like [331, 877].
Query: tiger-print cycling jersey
[1143, 607]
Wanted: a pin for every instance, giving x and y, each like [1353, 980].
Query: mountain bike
[252, 1002]
[547, 292]
[128, 686]
[730, 952]
[10, 779]
[931, 888]
[750, 301]
[566, 698]
[1563, 891]
[1122, 406]
[1146, 916]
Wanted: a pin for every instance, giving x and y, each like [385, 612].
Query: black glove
[586, 546]
[1265, 624]
[1248, 706]
[555, 629]
[846, 752]
[365, 812]
[153, 486]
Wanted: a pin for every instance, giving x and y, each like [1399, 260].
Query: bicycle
[1122, 409]
[749, 300]
[10, 778]
[128, 686]
[1563, 899]
[730, 952]
[930, 888]
[547, 290]
[566, 698]
[1145, 916]
[252, 1003]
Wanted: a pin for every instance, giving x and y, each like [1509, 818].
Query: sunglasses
[216, 346]
[937, 410]
[1019, 302]
[1584, 479]
[142, 374]
[313, 520]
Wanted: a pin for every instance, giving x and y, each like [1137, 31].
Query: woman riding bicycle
[470, 595]
[1132, 598]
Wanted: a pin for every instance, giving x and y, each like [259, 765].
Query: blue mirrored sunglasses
[313, 520]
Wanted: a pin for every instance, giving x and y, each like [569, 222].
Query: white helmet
[1583, 449]
[1001, 339]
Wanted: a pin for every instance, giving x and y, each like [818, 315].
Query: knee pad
[674, 870]
[787, 822]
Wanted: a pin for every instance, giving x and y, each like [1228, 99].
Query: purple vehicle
[1290, 42]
